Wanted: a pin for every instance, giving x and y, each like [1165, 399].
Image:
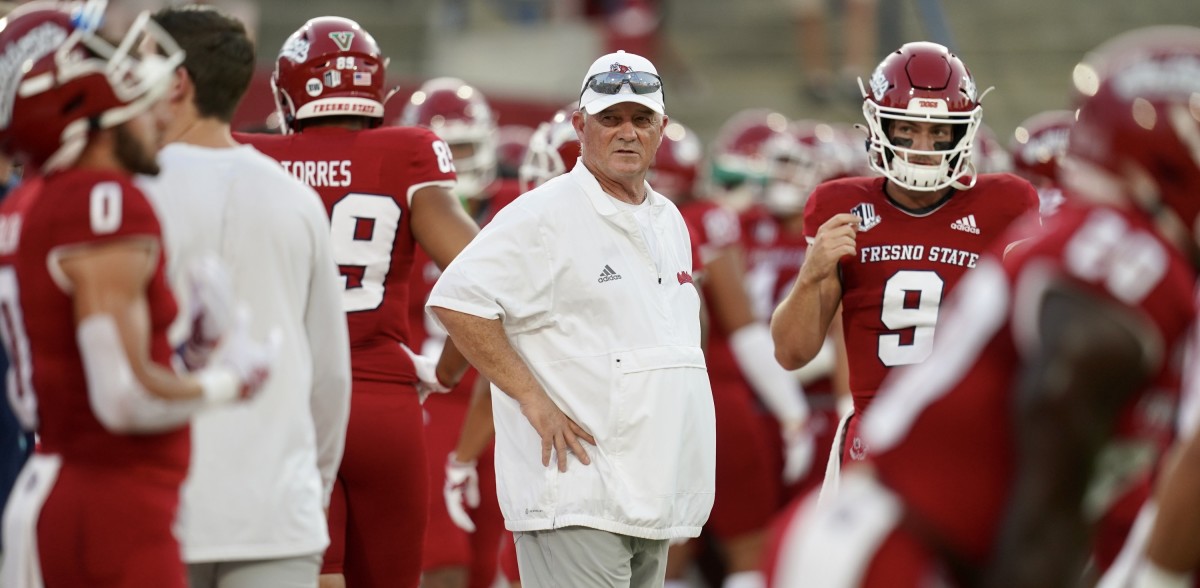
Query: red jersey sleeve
[113, 209]
[428, 161]
[816, 211]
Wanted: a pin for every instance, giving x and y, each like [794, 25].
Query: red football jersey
[906, 264]
[67, 209]
[773, 259]
[504, 192]
[366, 179]
[425, 274]
[713, 228]
[942, 433]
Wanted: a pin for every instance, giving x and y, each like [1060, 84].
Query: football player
[86, 309]
[1055, 365]
[737, 165]
[1037, 146]
[553, 151]
[463, 536]
[386, 189]
[798, 160]
[742, 371]
[887, 250]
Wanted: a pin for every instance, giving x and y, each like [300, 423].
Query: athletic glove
[210, 309]
[239, 366]
[462, 486]
[798, 451]
[427, 379]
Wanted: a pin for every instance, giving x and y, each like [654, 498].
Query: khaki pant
[290, 572]
[582, 557]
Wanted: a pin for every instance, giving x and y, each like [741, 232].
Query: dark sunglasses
[610, 82]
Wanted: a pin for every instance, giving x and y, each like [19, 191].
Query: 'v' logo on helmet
[343, 39]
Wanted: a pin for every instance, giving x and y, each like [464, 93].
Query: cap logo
[343, 39]
[620, 68]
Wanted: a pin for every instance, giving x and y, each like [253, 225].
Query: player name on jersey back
[947, 255]
[327, 173]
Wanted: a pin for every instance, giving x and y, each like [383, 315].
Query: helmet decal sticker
[295, 49]
[314, 87]
[343, 39]
[36, 44]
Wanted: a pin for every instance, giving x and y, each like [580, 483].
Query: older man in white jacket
[577, 302]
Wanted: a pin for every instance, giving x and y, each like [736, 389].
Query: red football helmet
[737, 155]
[990, 156]
[61, 79]
[677, 163]
[798, 160]
[736, 167]
[1038, 145]
[1137, 134]
[922, 82]
[512, 141]
[553, 150]
[461, 117]
[329, 67]
[853, 139]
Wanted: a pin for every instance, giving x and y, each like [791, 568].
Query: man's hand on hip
[560, 435]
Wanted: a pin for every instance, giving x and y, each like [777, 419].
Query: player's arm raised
[801, 320]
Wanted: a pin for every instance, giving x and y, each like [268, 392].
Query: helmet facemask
[70, 81]
[893, 159]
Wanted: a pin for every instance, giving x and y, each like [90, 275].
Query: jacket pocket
[663, 422]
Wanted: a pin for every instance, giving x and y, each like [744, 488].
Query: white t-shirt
[642, 213]
[261, 471]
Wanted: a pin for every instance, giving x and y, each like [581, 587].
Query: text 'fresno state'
[946, 255]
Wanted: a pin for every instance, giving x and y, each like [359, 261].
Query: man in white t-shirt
[261, 474]
[577, 302]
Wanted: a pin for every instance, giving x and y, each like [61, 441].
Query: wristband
[219, 385]
[1149, 575]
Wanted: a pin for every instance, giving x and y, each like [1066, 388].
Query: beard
[133, 154]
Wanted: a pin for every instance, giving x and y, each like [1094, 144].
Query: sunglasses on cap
[610, 82]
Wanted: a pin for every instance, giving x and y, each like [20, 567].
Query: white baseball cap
[593, 101]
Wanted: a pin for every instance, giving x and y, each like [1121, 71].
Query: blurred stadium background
[716, 56]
